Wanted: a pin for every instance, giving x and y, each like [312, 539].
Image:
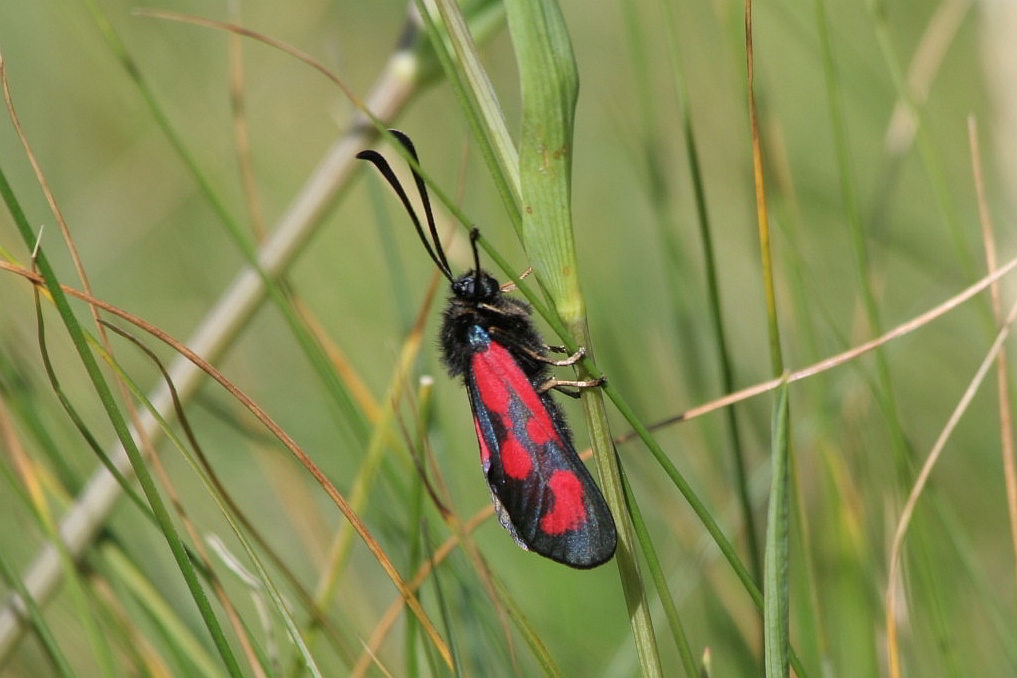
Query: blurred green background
[152, 245]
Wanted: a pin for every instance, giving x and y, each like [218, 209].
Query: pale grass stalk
[216, 333]
[389, 618]
[241, 133]
[928, 57]
[337, 498]
[1002, 373]
[376, 661]
[255, 588]
[839, 359]
[892, 649]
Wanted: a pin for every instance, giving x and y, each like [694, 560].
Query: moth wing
[543, 493]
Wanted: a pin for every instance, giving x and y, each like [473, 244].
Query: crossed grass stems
[692, 413]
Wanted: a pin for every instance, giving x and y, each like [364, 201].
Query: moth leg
[571, 360]
[558, 384]
[564, 390]
[510, 313]
[511, 286]
[564, 362]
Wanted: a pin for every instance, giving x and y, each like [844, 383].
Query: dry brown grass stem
[221, 326]
[279, 433]
[839, 359]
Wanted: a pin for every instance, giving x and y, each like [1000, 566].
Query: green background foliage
[152, 244]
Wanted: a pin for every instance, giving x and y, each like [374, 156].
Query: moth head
[476, 286]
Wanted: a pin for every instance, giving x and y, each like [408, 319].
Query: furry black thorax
[477, 300]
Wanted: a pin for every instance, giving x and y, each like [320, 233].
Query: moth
[542, 492]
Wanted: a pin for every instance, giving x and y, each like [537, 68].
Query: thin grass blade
[776, 585]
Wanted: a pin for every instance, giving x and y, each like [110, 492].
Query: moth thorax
[478, 339]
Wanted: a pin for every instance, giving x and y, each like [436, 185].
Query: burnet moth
[542, 492]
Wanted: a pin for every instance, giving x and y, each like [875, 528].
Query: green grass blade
[776, 586]
[265, 580]
[480, 92]
[439, 596]
[49, 640]
[530, 636]
[550, 87]
[659, 579]
[123, 433]
[424, 416]
[79, 422]
[119, 565]
[714, 302]
[352, 417]
[96, 638]
[471, 87]
[550, 84]
[20, 393]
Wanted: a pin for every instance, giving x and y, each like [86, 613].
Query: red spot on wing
[499, 381]
[515, 459]
[498, 377]
[569, 510]
[539, 431]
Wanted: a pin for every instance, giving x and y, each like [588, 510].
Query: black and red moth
[542, 492]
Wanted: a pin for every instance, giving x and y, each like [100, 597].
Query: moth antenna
[474, 234]
[385, 169]
[422, 189]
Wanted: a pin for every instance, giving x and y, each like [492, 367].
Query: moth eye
[463, 287]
